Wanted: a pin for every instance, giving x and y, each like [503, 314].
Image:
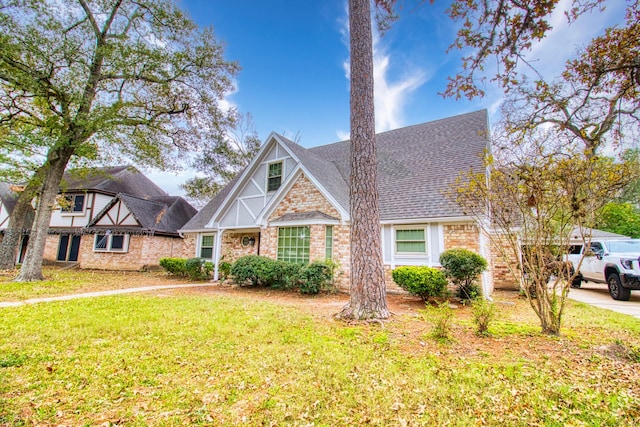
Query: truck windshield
[624, 246]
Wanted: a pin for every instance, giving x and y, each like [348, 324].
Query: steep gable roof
[111, 180]
[159, 215]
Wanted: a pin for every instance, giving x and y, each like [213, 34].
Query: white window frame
[109, 248]
[213, 245]
[72, 204]
[266, 186]
[427, 243]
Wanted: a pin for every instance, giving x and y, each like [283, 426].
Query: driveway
[597, 295]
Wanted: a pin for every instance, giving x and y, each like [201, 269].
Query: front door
[68, 248]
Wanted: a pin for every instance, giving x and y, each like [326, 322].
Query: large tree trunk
[31, 269]
[368, 292]
[21, 219]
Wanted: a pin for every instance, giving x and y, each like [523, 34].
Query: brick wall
[144, 252]
[232, 247]
[303, 197]
[503, 259]
[462, 235]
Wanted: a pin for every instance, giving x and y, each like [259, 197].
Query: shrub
[483, 314]
[442, 322]
[316, 277]
[175, 266]
[248, 269]
[224, 270]
[424, 282]
[463, 267]
[198, 268]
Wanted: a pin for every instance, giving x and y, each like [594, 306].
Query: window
[294, 244]
[328, 242]
[206, 247]
[274, 177]
[108, 242]
[411, 241]
[73, 203]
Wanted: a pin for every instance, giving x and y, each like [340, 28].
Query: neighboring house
[115, 218]
[292, 203]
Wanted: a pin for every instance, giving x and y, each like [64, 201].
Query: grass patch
[219, 360]
[61, 281]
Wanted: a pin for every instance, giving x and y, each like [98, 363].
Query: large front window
[411, 241]
[294, 244]
[274, 178]
[111, 242]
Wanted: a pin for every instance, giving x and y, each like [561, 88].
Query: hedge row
[193, 268]
[257, 270]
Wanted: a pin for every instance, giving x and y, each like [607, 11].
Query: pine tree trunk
[31, 269]
[21, 219]
[368, 299]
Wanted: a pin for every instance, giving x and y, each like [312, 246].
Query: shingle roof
[417, 164]
[160, 215]
[8, 197]
[112, 180]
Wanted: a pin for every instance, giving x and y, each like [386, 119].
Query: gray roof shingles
[416, 166]
[112, 180]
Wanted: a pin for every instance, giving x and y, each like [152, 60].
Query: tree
[621, 218]
[132, 79]
[367, 290]
[222, 161]
[530, 207]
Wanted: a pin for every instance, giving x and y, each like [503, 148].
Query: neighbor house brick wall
[144, 252]
[51, 248]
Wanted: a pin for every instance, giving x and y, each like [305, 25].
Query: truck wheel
[576, 282]
[616, 290]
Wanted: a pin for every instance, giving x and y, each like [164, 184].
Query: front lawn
[247, 358]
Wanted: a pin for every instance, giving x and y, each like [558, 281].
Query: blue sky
[294, 56]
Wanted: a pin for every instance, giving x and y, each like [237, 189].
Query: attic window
[73, 203]
[274, 176]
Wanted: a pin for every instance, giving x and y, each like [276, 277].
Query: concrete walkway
[597, 294]
[101, 294]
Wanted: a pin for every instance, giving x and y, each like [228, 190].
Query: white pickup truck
[614, 262]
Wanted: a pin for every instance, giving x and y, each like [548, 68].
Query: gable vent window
[274, 176]
[73, 204]
[111, 243]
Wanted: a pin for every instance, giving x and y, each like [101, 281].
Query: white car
[614, 262]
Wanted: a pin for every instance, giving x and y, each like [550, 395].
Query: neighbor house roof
[157, 215]
[111, 180]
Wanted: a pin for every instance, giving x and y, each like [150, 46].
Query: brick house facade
[293, 202]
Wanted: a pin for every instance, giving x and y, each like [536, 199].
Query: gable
[118, 214]
[303, 197]
[251, 194]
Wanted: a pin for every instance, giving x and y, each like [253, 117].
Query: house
[292, 203]
[115, 218]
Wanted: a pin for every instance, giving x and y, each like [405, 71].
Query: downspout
[217, 251]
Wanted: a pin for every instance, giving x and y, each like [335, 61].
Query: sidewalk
[101, 294]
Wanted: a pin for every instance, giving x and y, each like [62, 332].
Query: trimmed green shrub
[425, 282]
[463, 267]
[248, 269]
[316, 277]
[175, 266]
[198, 268]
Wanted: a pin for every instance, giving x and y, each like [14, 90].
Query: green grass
[144, 360]
[61, 281]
